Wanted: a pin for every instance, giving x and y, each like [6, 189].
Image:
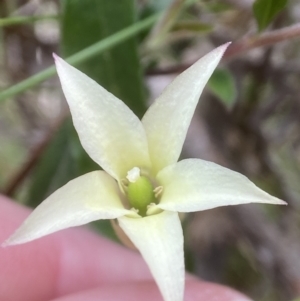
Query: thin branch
[164, 24]
[266, 39]
[244, 45]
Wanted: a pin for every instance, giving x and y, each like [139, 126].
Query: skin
[78, 265]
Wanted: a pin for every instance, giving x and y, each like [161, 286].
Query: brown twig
[266, 39]
[35, 155]
[244, 45]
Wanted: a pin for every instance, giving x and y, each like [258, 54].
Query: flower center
[140, 191]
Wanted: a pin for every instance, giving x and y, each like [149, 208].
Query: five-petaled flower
[142, 185]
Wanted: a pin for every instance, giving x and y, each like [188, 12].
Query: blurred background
[248, 118]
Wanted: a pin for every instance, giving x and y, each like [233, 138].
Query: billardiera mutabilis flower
[142, 185]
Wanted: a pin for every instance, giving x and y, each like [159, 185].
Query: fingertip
[148, 291]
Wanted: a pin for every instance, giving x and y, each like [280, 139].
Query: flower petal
[167, 120]
[108, 130]
[87, 198]
[159, 238]
[193, 185]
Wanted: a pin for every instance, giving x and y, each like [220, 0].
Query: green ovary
[140, 194]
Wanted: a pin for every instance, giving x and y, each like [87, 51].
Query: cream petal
[87, 198]
[159, 238]
[193, 185]
[167, 120]
[108, 130]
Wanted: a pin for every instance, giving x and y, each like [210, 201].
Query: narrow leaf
[193, 26]
[118, 69]
[266, 10]
[222, 85]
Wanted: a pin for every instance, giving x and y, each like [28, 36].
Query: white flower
[141, 172]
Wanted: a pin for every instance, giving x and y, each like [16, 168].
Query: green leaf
[218, 7]
[118, 69]
[266, 10]
[222, 85]
[194, 26]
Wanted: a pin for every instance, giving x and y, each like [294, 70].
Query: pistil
[139, 191]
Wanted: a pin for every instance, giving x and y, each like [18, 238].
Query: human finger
[148, 291]
[62, 263]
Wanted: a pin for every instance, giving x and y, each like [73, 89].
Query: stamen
[134, 210]
[153, 209]
[158, 191]
[133, 174]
